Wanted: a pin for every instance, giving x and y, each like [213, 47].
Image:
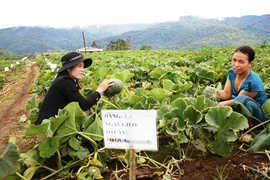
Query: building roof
[89, 49]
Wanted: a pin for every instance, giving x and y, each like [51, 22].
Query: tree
[145, 47]
[120, 44]
[94, 44]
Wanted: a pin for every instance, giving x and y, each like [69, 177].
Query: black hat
[73, 58]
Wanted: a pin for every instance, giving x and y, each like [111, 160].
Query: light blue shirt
[252, 83]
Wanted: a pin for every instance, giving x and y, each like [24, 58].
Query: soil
[14, 97]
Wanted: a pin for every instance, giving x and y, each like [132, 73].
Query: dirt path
[14, 98]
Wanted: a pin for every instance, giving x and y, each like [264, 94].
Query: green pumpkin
[94, 172]
[212, 93]
[116, 88]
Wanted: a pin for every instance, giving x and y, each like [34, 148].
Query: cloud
[60, 13]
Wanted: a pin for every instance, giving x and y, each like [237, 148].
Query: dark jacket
[64, 90]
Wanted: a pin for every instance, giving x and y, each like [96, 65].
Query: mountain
[31, 40]
[186, 33]
[193, 32]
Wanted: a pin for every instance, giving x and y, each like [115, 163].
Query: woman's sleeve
[70, 91]
[253, 86]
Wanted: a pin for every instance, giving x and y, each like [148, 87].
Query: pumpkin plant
[70, 138]
[9, 159]
[202, 123]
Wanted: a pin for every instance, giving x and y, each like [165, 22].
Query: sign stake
[132, 168]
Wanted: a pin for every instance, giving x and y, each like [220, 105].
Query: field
[149, 79]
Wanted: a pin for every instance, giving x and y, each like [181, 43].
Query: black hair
[247, 50]
[66, 73]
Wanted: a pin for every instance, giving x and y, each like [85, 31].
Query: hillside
[31, 40]
[186, 33]
[193, 32]
[4, 55]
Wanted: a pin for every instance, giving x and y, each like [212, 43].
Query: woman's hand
[226, 103]
[222, 103]
[103, 86]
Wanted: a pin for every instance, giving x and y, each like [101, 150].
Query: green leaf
[223, 118]
[157, 72]
[265, 77]
[30, 172]
[208, 103]
[138, 105]
[239, 107]
[229, 135]
[47, 147]
[152, 102]
[237, 121]
[126, 157]
[74, 143]
[84, 176]
[198, 103]
[182, 137]
[55, 122]
[95, 130]
[227, 122]
[105, 155]
[72, 125]
[87, 92]
[159, 94]
[266, 108]
[81, 153]
[168, 85]
[133, 99]
[175, 119]
[179, 104]
[185, 86]
[193, 116]
[47, 128]
[202, 103]
[174, 113]
[76, 115]
[31, 158]
[9, 160]
[40, 129]
[260, 143]
[31, 104]
[199, 145]
[217, 116]
[162, 110]
[161, 122]
[172, 127]
[221, 146]
[139, 91]
[124, 75]
[102, 72]
[205, 74]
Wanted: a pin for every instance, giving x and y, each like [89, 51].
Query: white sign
[130, 129]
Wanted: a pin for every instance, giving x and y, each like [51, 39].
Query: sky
[70, 13]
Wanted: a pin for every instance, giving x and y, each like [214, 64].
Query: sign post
[130, 129]
[132, 167]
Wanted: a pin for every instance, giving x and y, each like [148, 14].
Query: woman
[65, 87]
[244, 85]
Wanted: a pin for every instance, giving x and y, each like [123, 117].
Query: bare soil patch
[15, 96]
[238, 166]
